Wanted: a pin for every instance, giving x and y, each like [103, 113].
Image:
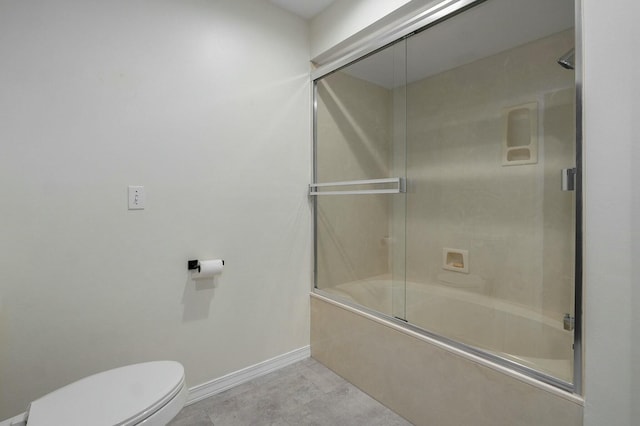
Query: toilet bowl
[149, 394]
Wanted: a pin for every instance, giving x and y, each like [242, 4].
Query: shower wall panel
[354, 132]
[514, 221]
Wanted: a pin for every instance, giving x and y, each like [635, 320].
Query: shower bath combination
[410, 160]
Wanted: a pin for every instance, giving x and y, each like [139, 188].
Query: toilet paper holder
[195, 265]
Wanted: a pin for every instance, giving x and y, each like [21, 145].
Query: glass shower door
[490, 228]
[444, 188]
[359, 182]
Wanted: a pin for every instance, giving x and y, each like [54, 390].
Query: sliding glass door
[445, 183]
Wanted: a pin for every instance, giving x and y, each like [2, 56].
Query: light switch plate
[136, 197]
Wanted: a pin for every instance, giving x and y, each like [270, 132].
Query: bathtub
[499, 327]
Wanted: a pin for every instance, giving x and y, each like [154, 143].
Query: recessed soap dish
[455, 260]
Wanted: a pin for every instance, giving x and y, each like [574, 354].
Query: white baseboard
[221, 384]
[19, 420]
[205, 390]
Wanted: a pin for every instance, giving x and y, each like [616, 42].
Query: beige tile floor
[304, 393]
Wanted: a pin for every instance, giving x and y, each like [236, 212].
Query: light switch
[136, 197]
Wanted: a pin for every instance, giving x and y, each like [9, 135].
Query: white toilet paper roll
[208, 269]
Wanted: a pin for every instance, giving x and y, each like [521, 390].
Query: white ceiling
[304, 8]
[490, 28]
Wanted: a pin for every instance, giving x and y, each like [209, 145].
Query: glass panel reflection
[360, 136]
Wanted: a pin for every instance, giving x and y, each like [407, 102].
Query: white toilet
[149, 394]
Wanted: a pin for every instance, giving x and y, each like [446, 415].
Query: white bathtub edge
[576, 399]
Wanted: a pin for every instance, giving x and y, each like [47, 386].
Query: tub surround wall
[426, 384]
[206, 104]
[353, 135]
[514, 221]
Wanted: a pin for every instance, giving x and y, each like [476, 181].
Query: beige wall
[206, 104]
[514, 220]
[353, 134]
[427, 383]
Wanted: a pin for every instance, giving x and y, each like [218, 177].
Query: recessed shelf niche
[455, 260]
[520, 134]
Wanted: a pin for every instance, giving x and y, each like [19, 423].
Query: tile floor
[304, 393]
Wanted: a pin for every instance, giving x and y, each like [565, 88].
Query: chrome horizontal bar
[364, 191]
[398, 181]
[356, 182]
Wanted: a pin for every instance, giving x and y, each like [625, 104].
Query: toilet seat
[150, 394]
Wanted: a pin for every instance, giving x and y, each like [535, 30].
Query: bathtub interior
[501, 328]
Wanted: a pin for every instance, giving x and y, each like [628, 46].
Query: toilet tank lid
[123, 396]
